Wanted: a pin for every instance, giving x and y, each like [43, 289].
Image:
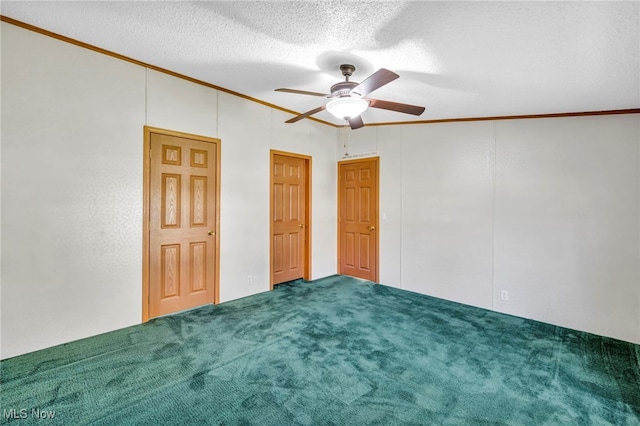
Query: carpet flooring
[335, 351]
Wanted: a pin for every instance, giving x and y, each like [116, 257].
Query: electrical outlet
[249, 280]
[504, 295]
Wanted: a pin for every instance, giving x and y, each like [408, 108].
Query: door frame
[376, 273]
[307, 212]
[146, 193]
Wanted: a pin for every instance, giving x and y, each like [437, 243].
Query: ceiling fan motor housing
[342, 89]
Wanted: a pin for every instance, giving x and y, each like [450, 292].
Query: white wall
[566, 222]
[447, 186]
[71, 194]
[546, 209]
[72, 139]
[0, 197]
[249, 131]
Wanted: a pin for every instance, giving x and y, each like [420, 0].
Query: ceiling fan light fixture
[347, 107]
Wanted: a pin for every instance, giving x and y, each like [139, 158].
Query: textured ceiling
[458, 59]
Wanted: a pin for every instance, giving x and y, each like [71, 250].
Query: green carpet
[335, 351]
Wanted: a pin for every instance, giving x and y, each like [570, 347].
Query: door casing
[146, 182]
[308, 226]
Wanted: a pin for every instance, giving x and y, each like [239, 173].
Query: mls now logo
[23, 413]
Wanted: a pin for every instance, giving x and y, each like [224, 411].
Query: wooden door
[358, 218]
[183, 214]
[289, 217]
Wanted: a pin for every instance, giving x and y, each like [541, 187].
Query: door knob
[301, 226]
[372, 228]
[211, 232]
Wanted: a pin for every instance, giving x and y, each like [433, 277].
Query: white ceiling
[458, 59]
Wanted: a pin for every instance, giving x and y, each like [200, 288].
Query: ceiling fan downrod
[343, 88]
[347, 70]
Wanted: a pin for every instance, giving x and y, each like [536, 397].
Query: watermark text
[24, 413]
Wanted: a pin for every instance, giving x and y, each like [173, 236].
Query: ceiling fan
[348, 99]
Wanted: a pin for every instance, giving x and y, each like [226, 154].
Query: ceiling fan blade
[305, 115]
[395, 106]
[356, 122]
[302, 92]
[373, 82]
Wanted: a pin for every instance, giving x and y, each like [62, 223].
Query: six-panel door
[181, 223]
[289, 221]
[358, 218]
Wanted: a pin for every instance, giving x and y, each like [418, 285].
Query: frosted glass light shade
[345, 108]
